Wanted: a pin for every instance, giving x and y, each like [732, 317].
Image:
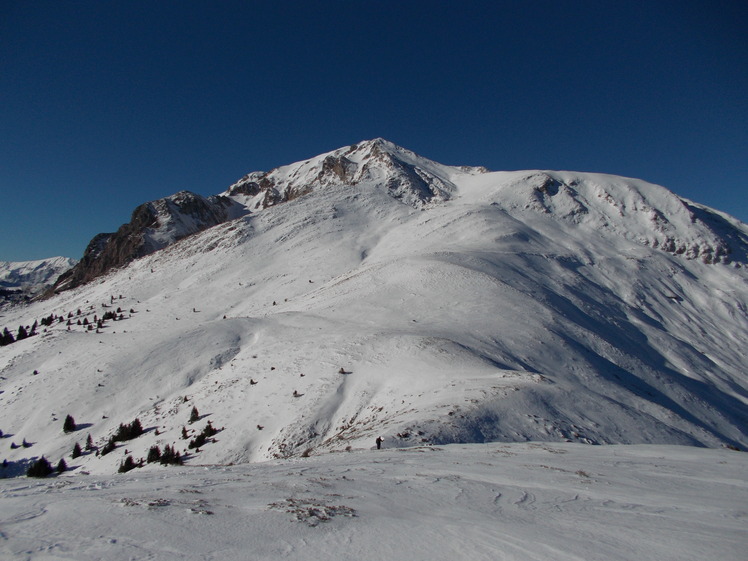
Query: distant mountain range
[372, 292]
[23, 280]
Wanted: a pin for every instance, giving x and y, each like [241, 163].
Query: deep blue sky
[105, 105]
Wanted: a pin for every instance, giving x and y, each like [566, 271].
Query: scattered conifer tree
[6, 338]
[185, 436]
[198, 441]
[203, 437]
[69, 424]
[108, 447]
[194, 415]
[76, 451]
[127, 465]
[22, 334]
[40, 468]
[170, 456]
[62, 465]
[89, 442]
[154, 454]
[128, 432]
[210, 430]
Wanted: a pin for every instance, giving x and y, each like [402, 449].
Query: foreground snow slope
[462, 306]
[495, 502]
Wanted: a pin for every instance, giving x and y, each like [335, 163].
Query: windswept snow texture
[492, 502]
[462, 306]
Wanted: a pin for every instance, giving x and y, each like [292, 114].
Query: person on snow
[379, 442]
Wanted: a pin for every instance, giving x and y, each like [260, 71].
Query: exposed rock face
[405, 175]
[153, 226]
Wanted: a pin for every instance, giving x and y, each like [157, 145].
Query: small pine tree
[7, 338]
[170, 456]
[69, 424]
[128, 432]
[198, 441]
[136, 429]
[108, 447]
[76, 451]
[22, 334]
[62, 466]
[185, 436]
[40, 468]
[89, 443]
[127, 465]
[154, 454]
[194, 415]
[210, 430]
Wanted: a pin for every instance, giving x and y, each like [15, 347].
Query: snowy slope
[497, 502]
[462, 306]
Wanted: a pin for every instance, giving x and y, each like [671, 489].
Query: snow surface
[462, 306]
[533, 501]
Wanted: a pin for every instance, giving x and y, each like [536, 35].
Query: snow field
[481, 501]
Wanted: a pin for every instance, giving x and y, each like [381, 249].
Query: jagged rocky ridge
[157, 224]
[153, 226]
[416, 181]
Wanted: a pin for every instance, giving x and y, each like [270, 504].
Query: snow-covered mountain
[372, 292]
[22, 279]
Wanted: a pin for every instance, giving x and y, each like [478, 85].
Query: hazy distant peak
[25, 279]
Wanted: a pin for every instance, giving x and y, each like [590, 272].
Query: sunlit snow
[455, 312]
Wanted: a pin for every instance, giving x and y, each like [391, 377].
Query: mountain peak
[406, 176]
[636, 210]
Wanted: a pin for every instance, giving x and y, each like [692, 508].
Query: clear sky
[106, 105]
